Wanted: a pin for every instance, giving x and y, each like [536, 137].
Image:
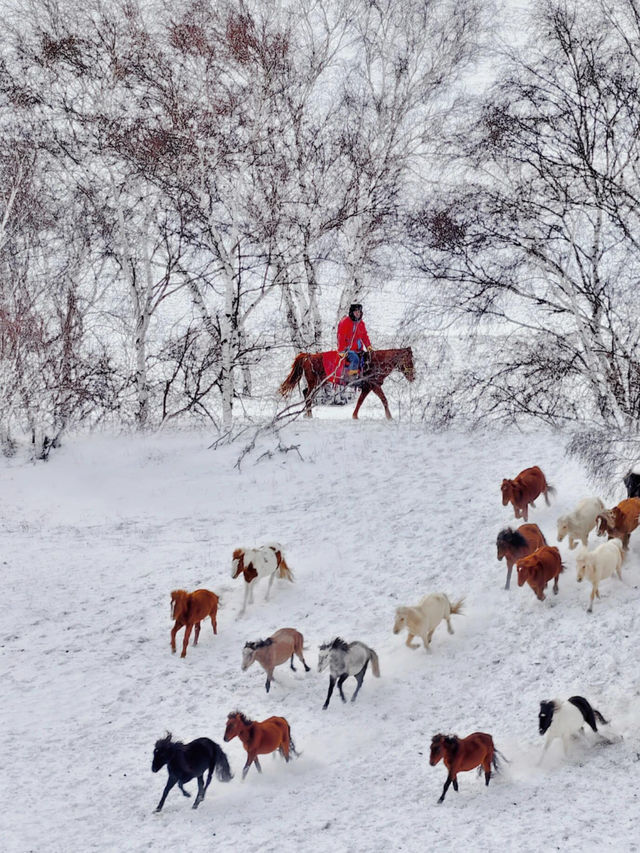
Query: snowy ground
[374, 515]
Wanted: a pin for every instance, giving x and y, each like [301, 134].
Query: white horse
[579, 523]
[423, 619]
[599, 564]
[256, 563]
[345, 659]
[565, 719]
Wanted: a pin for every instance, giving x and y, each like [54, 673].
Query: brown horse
[467, 753]
[189, 609]
[382, 362]
[621, 521]
[539, 568]
[272, 652]
[524, 489]
[260, 738]
[515, 544]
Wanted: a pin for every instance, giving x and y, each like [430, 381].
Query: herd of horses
[537, 563]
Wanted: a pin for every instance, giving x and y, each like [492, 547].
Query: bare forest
[194, 192]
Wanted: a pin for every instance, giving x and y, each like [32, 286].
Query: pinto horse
[515, 544]
[467, 753]
[189, 609]
[382, 363]
[524, 489]
[260, 738]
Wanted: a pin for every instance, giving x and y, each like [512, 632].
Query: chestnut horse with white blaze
[381, 363]
[539, 568]
[466, 753]
[515, 544]
[522, 491]
[260, 738]
[189, 609]
[273, 651]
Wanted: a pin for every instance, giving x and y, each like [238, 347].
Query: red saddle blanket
[335, 368]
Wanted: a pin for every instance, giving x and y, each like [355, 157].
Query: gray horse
[345, 659]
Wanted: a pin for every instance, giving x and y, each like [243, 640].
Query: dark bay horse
[466, 753]
[382, 363]
[186, 760]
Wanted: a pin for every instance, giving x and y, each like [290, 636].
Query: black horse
[186, 760]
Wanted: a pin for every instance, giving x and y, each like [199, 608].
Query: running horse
[464, 753]
[381, 363]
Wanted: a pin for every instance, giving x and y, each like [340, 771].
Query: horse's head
[248, 655]
[524, 569]
[563, 527]
[604, 522]
[436, 753]
[236, 723]
[324, 655]
[179, 599]
[237, 562]
[401, 619]
[507, 491]
[545, 716]
[406, 364]
[581, 563]
[161, 752]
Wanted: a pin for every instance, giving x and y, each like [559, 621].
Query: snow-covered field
[372, 516]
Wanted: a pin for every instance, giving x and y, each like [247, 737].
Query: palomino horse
[189, 609]
[515, 544]
[382, 363]
[466, 753]
[186, 760]
[423, 619]
[276, 650]
[260, 738]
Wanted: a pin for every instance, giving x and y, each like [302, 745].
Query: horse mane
[511, 537]
[339, 643]
[259, 644]
[452, 742]
[242, 717]
[165, 741]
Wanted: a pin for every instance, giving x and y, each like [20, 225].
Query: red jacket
[352, 335]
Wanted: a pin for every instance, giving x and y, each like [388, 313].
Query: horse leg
[257, 763]
[486, 764]
[266, 598]
[332, 684]
[291, 663]
[364, 392]
[171, 781]
[174, 631]
[301, 658]
[555, 585]
[449, 625]
[306, 393]
[341, 681]
[525, 513]
[196, 634]
[268, 681]
[359, 679]
[427, 642]
[590, 607]
[187, 634]
[509, 570]
[377, 390]
[411, 645]
[446, 788]
[454, 782]
[214, 621]
[182, 788]
[625, 541]
[200, 796]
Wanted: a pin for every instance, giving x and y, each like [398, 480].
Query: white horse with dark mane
[565, 719]
[345, 659]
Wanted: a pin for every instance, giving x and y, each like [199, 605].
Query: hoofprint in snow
[372, 516]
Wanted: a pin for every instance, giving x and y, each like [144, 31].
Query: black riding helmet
[355, 306]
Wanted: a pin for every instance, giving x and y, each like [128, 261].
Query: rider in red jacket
[352, 336]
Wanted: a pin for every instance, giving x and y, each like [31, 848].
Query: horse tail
[600, 718]
[589, 714]
[549, 490]
[457, 607]
[221, 765]
[292, 746]
[283, 569]
[375, 663]
[295, 375]
[497, 760]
